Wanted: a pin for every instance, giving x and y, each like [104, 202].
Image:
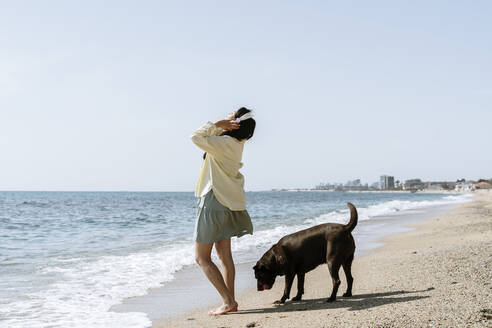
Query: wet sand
[437, 275]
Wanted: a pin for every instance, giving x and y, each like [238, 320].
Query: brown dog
[302, 251]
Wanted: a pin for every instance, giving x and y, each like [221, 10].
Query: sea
[67, 258]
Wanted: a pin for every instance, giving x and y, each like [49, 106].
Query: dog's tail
[353, 218]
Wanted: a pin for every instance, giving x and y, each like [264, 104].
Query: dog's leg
[289, 279]
[334, 267]
[347, 267]
[300, 286]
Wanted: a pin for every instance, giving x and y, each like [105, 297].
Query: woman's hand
[227, 125]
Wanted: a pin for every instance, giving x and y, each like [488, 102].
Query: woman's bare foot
[224, 309]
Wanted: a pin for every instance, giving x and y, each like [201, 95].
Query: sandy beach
[438, 275]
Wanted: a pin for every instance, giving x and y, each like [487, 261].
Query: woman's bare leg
[202, 257]
[223, 249]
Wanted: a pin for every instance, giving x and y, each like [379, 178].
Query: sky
[103, 95]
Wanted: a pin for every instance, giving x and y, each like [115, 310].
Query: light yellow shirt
[220, 169]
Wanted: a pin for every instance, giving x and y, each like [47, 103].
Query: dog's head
[265, 277]
[268, 268]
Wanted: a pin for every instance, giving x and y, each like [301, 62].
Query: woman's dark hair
[246, 127]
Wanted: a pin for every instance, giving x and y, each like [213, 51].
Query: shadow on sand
[354, 303]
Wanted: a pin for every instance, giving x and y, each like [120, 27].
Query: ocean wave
[34, 204]
[265, 238]
[393, 207]
[85, 291]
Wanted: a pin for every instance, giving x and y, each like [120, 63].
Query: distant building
[386, 182]
[440, 185]
[375, 185]
[413, 184]
[353, 183]
[325, 186]
[433, 186]
[483, 185]
[464, 186]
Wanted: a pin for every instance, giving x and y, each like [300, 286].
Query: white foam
[85, 291]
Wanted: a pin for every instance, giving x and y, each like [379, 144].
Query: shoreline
[389, 191]
[156, 302]
[393, 284]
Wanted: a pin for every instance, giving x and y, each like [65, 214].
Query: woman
[222, 207]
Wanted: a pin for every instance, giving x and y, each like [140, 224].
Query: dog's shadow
[353, 303]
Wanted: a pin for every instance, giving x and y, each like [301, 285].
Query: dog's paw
[281, 301]
[347, 295]
[330, 300]
[297, 298]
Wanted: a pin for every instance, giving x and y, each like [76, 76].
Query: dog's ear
[280, 259]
